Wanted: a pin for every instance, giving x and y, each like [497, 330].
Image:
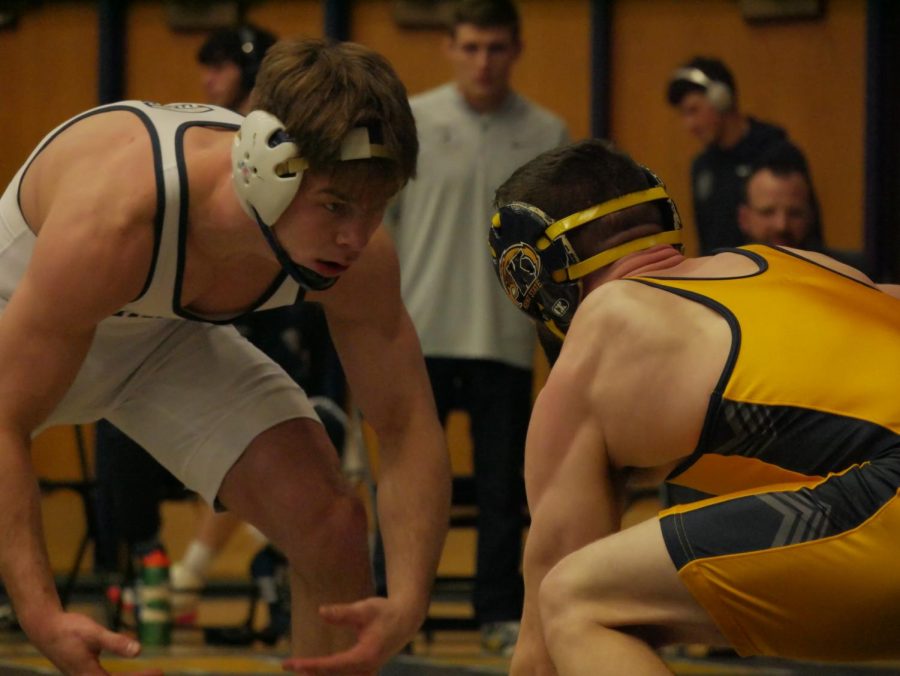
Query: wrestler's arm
[829, 262]
[74, 279]
[573, 493]
[890, 289]
[382, 359]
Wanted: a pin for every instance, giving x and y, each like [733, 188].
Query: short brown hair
[485, 14]
[322, 89]
[577, 176]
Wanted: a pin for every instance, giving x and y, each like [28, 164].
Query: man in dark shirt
[779, 206]
[704, 93]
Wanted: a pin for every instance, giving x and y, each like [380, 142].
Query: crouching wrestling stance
[763, 378]
[130, 239]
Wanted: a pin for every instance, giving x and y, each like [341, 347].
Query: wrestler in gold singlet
[783, 445]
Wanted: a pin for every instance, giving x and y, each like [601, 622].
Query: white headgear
[267, 169]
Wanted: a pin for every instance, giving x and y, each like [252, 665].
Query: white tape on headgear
[358, 145]
[267, 168]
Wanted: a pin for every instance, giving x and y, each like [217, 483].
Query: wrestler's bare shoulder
[628, 313]
[648, 361]
[100, 170]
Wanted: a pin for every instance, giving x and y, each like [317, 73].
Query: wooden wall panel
[161, 62]
[49, 74]
[289, 18]
[806, 76]
[555, 68]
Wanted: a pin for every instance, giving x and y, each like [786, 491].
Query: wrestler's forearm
[531, 657]
[24, 564]
[413, 506]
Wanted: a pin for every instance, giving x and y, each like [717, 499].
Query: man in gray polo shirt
[473, 132]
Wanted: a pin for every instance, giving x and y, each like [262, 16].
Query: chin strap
[597, 261]
[308, 279]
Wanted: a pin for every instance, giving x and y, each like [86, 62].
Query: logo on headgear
[180, 107]
[520, 268]
[245, 170]
[560, 307]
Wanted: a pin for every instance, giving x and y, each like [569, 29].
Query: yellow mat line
[211, 664]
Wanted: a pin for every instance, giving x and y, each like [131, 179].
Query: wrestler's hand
[383, 627]
[74, 642]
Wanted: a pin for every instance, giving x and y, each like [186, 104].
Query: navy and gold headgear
[537, 265]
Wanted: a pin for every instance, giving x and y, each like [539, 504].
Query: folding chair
[84, 487]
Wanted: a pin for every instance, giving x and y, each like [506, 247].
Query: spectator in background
[229, 61]
[479, 350]
[779, 205]
[705, 95]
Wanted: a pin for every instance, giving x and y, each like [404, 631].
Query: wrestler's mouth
[330, 268]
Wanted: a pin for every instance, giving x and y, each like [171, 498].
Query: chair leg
[65, 594]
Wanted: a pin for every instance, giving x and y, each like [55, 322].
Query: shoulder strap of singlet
[167, 124]
[164, 288]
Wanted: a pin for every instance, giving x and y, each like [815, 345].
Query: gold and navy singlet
[795, 553]
[810, 386]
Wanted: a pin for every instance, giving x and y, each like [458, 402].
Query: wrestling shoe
[499, 638]
[186, 587]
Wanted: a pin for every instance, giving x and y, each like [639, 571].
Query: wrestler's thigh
[627, 579]
[201, 398]
[287, 477]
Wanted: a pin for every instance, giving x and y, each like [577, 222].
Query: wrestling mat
[23, 660]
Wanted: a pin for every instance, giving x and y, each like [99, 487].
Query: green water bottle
[155, 618]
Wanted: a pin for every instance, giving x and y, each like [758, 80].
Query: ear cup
[524, 261]
[718, 93]
[260, 151]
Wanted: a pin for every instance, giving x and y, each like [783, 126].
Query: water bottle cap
[157, 559]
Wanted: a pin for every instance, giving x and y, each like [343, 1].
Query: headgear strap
[538, 266]
[267, 171]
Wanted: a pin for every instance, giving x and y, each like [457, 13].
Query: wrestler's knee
[562, 606]
[289, 484]
[335, 527]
